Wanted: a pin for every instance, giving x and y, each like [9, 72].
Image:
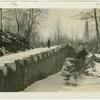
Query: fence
[17, 75]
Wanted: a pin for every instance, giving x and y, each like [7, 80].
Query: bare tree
[26, 22]
[1, 17]
[58, 31]
[90, 14]
[96, 23]
[17, 13]
[31, 24]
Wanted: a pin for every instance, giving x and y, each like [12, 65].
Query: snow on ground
[97, 55]
[20, 55]
[52, 83]
[55, 83]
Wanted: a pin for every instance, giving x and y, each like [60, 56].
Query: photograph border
[50, 95]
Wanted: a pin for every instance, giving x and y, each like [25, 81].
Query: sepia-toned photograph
[49, 50]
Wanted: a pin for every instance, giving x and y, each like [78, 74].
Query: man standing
[48, 43]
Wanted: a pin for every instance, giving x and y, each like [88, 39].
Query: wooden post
[20, 74]
[1, 81]
[11, 76]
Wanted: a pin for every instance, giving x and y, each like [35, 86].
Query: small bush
[73, 69]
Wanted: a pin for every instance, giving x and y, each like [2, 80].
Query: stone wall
[17, 75]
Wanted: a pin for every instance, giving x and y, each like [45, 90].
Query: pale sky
[65, 18]
[66, 21]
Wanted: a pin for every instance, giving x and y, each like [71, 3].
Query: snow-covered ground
[20, 55]
[56, 83]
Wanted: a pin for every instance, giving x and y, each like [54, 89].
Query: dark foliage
[12, 43]
[74, 68]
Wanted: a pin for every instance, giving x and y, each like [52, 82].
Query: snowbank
[20, 55]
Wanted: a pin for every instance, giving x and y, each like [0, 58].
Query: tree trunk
[1, 19]
[96, 22]
[17, 21]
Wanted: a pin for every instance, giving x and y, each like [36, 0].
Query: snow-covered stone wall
[17, 71]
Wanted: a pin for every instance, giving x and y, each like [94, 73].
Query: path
[55, 83]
